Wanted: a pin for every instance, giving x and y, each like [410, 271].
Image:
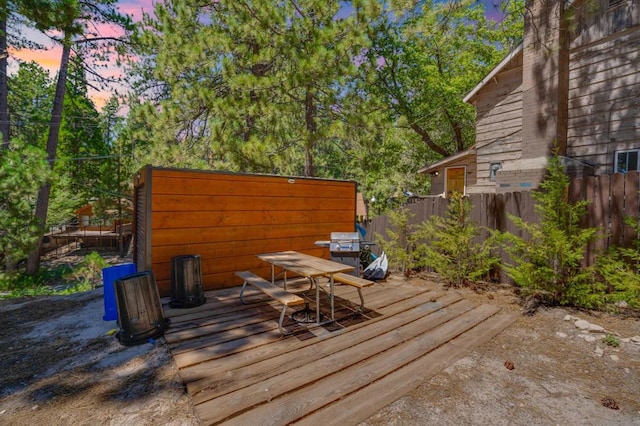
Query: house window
[493, 169]
[626, 161]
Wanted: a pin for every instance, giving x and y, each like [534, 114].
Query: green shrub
[620, 271]
[400, 241]
[449, 245]
[17, 284]
[547, 261]
[89, 272]
[73, 280]
[611, 340]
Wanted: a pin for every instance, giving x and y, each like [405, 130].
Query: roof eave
[442, 163]
[493, 73]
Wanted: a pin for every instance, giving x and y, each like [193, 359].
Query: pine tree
[547, 261]
[23, 169]
[451, 245]
[76, 21]
[258, 85]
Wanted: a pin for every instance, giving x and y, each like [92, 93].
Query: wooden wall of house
[229, 218]
[499, 120]
[437, 182]
[604, 86]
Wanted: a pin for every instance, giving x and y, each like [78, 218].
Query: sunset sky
[49, 58]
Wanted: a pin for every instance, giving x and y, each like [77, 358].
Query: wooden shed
[228, 218]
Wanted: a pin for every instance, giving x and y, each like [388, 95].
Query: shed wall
[229, 218]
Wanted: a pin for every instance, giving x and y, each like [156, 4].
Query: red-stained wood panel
[194, 203]
[248, 187]
[215, 219]
[229, 218]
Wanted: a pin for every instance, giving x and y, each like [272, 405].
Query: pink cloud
[135, 8]
[48, 59]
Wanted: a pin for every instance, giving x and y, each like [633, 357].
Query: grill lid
[344, 242]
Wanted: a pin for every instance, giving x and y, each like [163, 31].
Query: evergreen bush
[620, 271]
[399, 243]
[450, 245]
[546, 262]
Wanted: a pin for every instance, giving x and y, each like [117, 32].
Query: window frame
[626, 151]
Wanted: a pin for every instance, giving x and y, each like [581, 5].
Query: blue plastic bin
[109, 276]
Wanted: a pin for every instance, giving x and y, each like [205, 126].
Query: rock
[561, 334]
[595, 328]
[622, 304]
[599, 351]
[570, 318]
[509, 365]
[635, 339]
[614, 358]
[625, 340]
[582, 324]
[589, 339]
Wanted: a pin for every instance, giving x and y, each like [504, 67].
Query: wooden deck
[238, 369]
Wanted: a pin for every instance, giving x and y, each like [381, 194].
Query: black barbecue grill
[345, 248]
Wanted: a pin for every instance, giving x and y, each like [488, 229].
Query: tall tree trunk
[4, 91]
[42, 204]
[310, 123]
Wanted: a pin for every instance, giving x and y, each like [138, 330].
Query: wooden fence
[611, 198]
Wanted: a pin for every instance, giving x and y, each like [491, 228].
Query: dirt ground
[60, 365]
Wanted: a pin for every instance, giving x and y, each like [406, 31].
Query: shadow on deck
[238, 369]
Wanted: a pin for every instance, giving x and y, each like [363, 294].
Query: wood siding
[229, 218]
[604, 85]
[499, 123]
[437, 182]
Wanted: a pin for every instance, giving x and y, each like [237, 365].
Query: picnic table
[308, 266]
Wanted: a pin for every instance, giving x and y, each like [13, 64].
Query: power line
[97, 157]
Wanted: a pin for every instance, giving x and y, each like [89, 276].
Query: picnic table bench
[354, 281]
[267, 287]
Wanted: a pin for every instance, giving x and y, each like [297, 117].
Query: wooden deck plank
[258, 336]
[366, 402]
[213, 367]
[220, 326]
[214, 386]
[216, 308]
[264, 309]
[197, 316]
[286, 398]
[238, 369]
[224, 335]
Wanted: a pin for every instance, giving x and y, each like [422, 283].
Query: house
[84, 215]
[574, 83]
